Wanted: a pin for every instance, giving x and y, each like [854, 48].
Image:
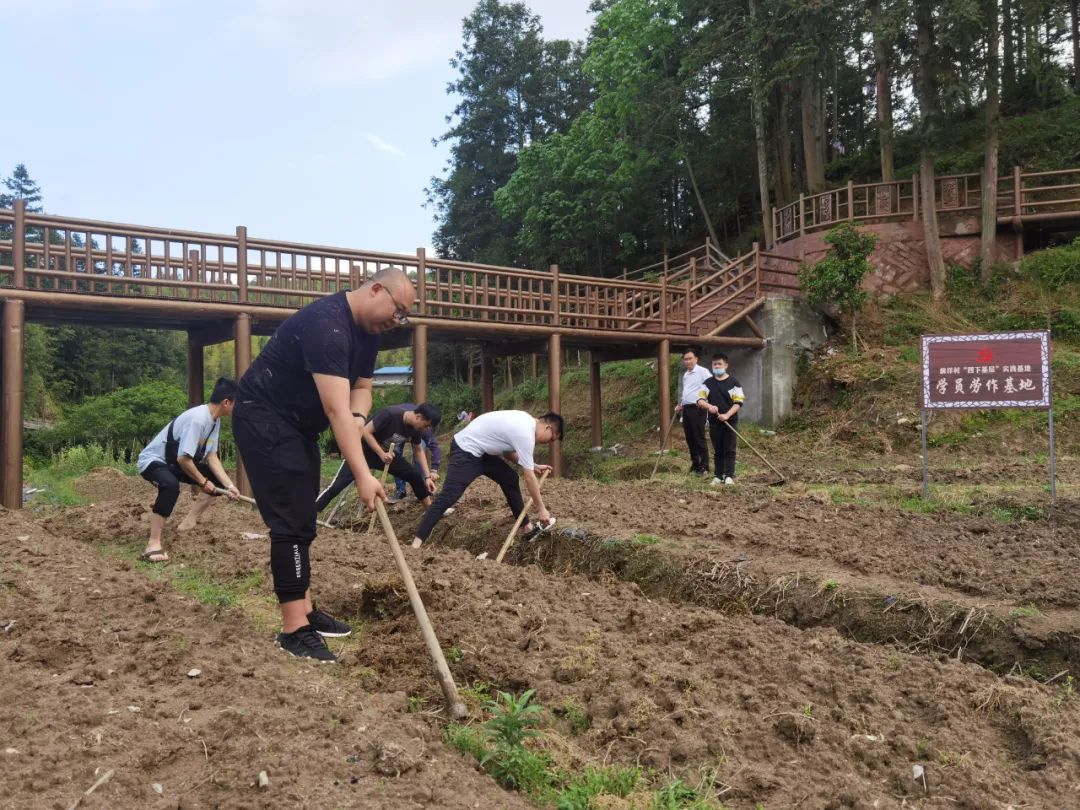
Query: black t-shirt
[321, 338]
[723, 394]
[388, 425]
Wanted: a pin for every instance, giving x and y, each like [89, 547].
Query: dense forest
[678, 119]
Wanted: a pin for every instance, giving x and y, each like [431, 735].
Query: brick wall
[899, 259]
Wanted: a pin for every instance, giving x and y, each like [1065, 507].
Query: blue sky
[306, 121]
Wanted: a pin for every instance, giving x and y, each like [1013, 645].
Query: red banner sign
[996, 370]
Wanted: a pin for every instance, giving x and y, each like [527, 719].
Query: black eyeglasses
[401, 315]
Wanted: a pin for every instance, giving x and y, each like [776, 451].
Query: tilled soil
[767, 713]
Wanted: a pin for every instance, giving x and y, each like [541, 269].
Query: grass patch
[644, 540]
[1024, 612]
[58, 475]
[508, 744]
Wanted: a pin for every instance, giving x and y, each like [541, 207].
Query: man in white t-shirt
[693, 388]
[185, 451]
[479, 449]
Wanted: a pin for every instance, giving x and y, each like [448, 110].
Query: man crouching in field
[185, 451]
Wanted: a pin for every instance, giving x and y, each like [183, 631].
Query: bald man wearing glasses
[315, 371]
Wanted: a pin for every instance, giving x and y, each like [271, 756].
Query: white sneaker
[729, 481]
[449, 511]
[715, 482]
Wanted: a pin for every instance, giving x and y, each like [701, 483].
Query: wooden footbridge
[218, 287]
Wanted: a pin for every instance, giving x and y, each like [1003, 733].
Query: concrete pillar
[487, 382]
[11, 404]
[663, 382]
[594, 410]
[555, 394]
[420, 346]
[242, 360]
[195, 373]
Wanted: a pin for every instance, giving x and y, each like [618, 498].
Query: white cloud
[383, 146]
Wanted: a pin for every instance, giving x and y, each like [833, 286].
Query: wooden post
[1018, 197]
[663, 381]
[850, 200]
[11, 403]
[665, 261]
[241, 271]
[772, 236]
[688, 305]
[757, 268]
[555, 394]
[421, 294]
[555, 295]
[242, 360]
[693, 271]
[663, 304]
[18, 249]
[802, 215]
[914, 197]
[594, 396]
[487, 382]
[195, 373]
[420, 375]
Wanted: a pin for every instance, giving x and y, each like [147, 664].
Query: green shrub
[125, 420]
[837, 279]
[1055, 267]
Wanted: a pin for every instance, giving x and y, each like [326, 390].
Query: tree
[882, 29]
[514, 89]
[758, 102]
[1074, 14]
[929, 113]
[20, 187]
[988, 240]
[836, 280]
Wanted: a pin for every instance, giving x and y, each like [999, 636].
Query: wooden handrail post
[1018, 196]
[757, 265]
[421, 281]
[665, 261]
[915, 197]
[802, 214]
[850, 200]
[241, 263]
[555, 295]
[772, 237]
[688, 305]
[693, 271]
[708, 248]
[663, 304]
[18, 246]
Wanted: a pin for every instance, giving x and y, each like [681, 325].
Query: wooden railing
[1030, 196]
[47, 253]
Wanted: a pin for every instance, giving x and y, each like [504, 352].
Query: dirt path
[760, 711]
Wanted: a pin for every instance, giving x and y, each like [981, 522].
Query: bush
[836, 280]
[124, 420]
[1053, 268]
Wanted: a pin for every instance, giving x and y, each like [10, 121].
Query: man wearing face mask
[724, 399]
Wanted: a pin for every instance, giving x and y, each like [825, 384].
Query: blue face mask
[719, 372]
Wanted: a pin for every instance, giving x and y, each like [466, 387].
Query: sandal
[147, 556]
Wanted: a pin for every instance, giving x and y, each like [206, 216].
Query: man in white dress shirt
[692, 389]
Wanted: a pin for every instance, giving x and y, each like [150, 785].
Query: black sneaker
[326, 625]
[304, 642]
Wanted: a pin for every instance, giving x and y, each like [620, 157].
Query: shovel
[756, 453]
[663, 444]
[246, 499]
[517, 523]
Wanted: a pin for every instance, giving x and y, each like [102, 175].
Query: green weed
[1025, 611]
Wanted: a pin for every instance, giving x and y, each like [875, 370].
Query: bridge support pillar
[663, 382]
[487, 381]
[420, 345]
[555, 394]
[195, 373]
[594, 401]
[242, 361]
[11, 404]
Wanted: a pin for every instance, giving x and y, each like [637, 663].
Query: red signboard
[996, 370]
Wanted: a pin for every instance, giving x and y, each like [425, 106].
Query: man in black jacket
[725, 398]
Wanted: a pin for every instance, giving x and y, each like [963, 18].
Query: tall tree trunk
[757, 103]
[1075, 9]
[1008, 38]
[784, 158]
[810, 108]
[697, 196]
[988, 242]
[928, 115]
[883, 83]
